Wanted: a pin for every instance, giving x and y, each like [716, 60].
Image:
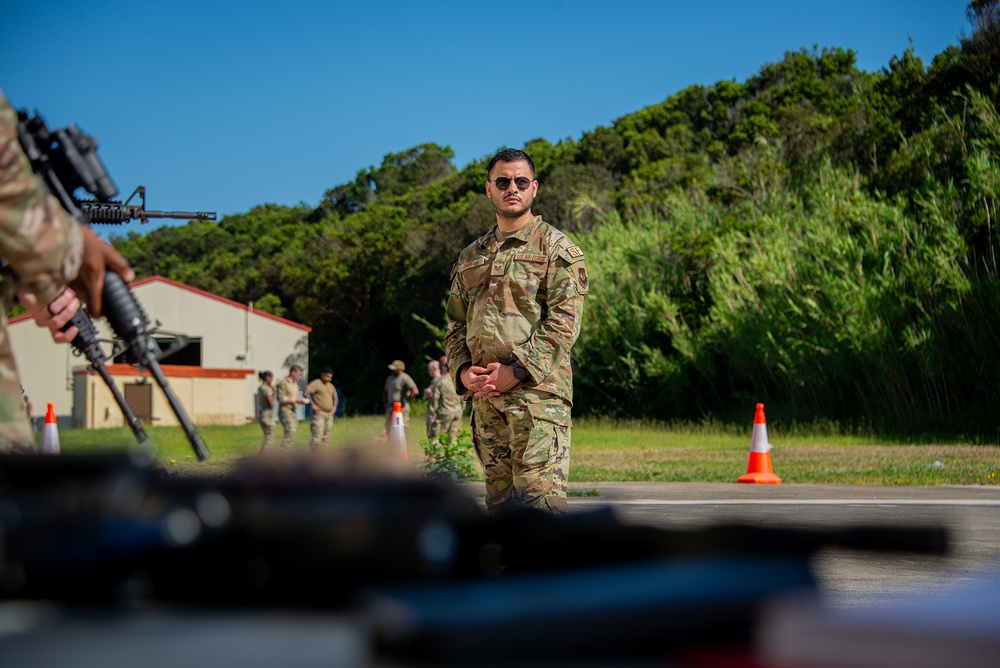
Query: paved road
[846, 578]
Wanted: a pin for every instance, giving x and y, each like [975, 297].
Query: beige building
[214, 376]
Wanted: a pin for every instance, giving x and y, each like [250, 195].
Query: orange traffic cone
[50, 433]
[759, 467]
[397, 434]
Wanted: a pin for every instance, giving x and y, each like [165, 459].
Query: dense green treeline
[816, 237]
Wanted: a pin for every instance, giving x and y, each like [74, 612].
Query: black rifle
[66, 160]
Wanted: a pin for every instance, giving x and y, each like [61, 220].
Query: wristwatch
[519, 371]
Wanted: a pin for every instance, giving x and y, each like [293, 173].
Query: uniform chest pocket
[475, 274]
[529, 269]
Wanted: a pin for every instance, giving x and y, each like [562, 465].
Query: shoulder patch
[572, 254]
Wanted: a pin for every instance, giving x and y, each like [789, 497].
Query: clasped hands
[97, 257]
[490, 381]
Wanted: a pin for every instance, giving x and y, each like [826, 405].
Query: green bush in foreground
[452, 457]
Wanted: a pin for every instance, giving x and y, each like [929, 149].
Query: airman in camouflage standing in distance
[288, 399]
[398, 387]
[444, 406]
[44, 249]
[514, 313]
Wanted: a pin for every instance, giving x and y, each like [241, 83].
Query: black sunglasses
[502, 182]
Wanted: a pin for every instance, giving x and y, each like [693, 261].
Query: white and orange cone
[759, 468]
[50, 433]
[397, 433]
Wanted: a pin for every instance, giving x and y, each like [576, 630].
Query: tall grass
[818, 297]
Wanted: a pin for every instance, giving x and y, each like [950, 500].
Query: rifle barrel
[86, 342]
[116, 213]
[194, 438]
[130, 418]
[195, 215]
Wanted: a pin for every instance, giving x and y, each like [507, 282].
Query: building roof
[203, 293]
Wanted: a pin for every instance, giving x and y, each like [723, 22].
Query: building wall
[208, 397]
[233, 335]
[45, 368]
[234, 338]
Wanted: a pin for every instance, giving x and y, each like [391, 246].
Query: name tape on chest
[459, 268]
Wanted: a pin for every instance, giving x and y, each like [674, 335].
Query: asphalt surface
[846, 578]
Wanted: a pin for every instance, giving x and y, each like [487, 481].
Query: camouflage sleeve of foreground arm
[42, 243]
[455, 345]
[546, 354]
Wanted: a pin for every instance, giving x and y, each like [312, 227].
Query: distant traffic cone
[397, 433]
[759, 467]
[50, 433]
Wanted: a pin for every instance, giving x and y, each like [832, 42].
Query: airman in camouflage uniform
[447, 407]
[44, 246]
[514, 313]
[398, 387]
[288, 399]
[44, 249]
[444, 406]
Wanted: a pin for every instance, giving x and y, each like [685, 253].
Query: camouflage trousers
[522, 439]
[268, 428]
[15, 431]
[290, 423]
[320, 426]
[445, 424]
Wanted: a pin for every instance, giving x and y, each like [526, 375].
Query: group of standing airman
[320, 394]
[444, 406]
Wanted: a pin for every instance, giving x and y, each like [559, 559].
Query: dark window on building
[189, 355]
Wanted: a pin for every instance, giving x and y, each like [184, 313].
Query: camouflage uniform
[520, 299]
[324, 400]
[43, 246]
[444, 407]
[265, 416]
[288, 389]
[397, 388]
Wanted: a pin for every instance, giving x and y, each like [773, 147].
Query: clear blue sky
[226, 105]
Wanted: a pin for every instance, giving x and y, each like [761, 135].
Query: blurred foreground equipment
[416, 564]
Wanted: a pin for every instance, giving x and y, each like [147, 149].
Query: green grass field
[609, 451]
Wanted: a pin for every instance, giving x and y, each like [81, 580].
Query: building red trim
[208, 295]
[170, 371]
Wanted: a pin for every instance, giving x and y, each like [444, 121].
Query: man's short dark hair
[326, 369]
[510, 155]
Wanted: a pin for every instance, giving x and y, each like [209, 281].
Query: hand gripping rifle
[66, 160]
